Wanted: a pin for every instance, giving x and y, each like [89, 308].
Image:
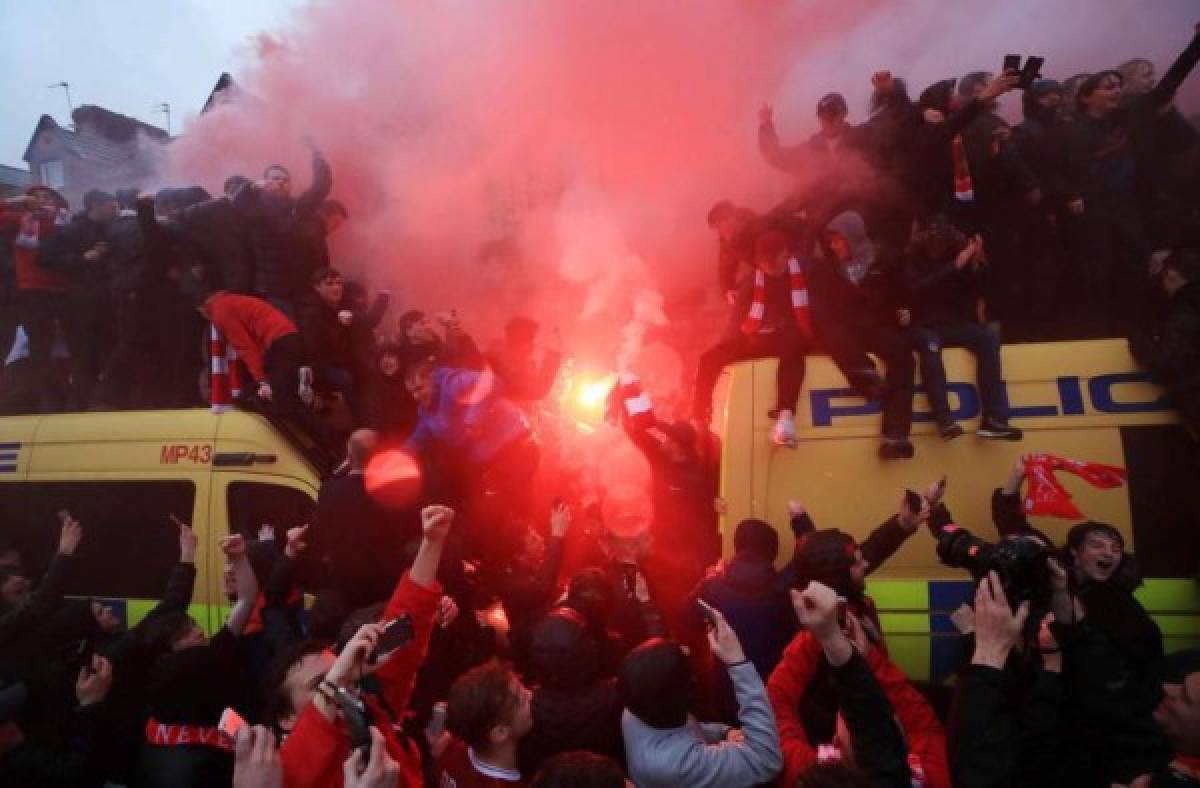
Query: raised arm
[178, 594]
[49, 592]
[322, 183]
[887, 538]
[246, 585]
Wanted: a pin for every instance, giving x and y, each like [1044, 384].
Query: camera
[1020, 563]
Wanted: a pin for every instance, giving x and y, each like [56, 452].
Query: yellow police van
[123, 475]
[1083, 400]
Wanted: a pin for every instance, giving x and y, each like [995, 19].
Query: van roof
[149, 441]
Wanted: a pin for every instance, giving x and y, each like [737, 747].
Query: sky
[128, 57]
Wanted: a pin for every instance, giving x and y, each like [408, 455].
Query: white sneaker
[784, 432]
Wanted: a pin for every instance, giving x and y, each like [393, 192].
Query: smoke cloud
[557, 158]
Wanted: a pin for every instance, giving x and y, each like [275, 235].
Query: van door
[243, 503]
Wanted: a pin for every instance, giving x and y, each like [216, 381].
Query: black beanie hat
[826, 557]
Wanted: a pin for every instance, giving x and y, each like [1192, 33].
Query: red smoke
[554, 158]
[557, 158]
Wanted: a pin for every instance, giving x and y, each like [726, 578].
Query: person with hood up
[1170, 350]
[574, 708]
[856, 309]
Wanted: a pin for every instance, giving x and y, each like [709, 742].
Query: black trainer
[950, 431]
[999, 430]
[893, 449]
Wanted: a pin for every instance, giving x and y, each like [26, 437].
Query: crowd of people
[479, 632]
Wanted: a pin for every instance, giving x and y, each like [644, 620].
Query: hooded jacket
[748, 592]
[469, 416]
[573, 708]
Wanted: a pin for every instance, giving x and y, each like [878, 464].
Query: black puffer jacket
[277, 232]
[573, 709]
[1171, 351]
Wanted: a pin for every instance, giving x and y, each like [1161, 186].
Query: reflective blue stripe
[8, 468]
[8, 455]
[9, 446]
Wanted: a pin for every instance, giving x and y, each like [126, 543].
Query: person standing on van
[942, 269]
[81, 252]
[770, 319]
[270, 347]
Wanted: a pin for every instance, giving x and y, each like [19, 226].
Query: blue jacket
[468, 416]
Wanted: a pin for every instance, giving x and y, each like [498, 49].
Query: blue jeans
[929, 341]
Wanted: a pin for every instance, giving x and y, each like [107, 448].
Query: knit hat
[937, 96]
[826, 557]
[832, 104]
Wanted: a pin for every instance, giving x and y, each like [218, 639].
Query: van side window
[252, 504]
[129, 544]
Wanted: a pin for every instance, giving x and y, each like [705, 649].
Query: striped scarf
[964, 189]
[758, 305]
[226, 377]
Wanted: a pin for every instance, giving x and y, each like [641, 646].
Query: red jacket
[925, 735]
[455, 769]
[30, 275]
[315, 750]
[250, 324]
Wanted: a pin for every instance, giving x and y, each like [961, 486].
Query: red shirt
[30, 274]
[316, 749]
[250, 324]
[459, 768]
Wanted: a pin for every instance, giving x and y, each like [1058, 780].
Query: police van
[1082, 400]
[123, 475]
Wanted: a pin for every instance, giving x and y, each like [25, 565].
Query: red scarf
[226, 380]
[964, 189]
[758, 305]
[1045, 495]
[162, 734]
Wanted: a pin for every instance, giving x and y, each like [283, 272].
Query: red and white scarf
[1045, 495]
[758, 304]
[28, 233]
[964, 189]
[226, 378]
[165, 734]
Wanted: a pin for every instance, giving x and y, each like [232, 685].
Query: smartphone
[912, 501]
[1028, 74]
[941, 487]
[842, 607]
[629, 578]
[1011, 63]
[231, 722]
[709, 614]
[437, 720]
[398, 633]
[354, 712]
